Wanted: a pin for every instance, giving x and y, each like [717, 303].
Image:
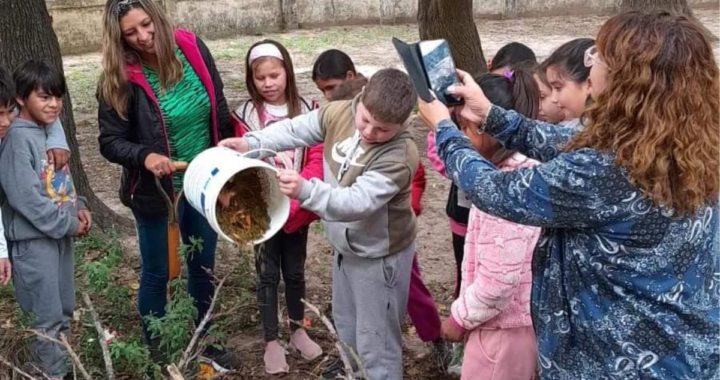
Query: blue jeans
[152, 237]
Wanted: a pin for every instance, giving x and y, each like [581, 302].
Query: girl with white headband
[270, 80]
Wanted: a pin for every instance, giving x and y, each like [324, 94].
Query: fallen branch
[101, 337]
[340, 345]
[187, 354]
[174, 372]
[45, 375]
[64, 342]
[16, 369]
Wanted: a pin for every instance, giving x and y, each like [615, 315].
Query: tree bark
[453, 21]
[26, 33]
[675, 6]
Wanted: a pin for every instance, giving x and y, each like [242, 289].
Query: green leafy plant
[133, 357]
[175, 329]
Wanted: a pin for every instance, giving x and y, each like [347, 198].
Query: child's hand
[290, 183]
[450, 331]
[85, 217]
[5, 271]
[239, 144]
[59, 157]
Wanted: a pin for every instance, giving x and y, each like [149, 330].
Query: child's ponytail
[516, 90]
[525, 93]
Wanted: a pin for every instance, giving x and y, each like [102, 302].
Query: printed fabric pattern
[622, 289]
[58, 185]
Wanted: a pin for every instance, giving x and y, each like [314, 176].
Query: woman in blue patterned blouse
[626, 281]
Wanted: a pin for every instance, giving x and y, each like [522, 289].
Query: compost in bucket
[245, 219]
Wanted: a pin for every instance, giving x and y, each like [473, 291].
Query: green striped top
[186, 112]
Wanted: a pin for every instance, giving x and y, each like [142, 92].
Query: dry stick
[101, 337]
[340, 344]
[206, 319]
[16, 369]
[174, 372]
[64, 342]
[45, 375]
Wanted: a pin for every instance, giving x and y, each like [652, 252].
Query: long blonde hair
[113, 87]
[659, 110]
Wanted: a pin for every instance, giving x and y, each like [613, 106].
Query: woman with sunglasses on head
[625, 275]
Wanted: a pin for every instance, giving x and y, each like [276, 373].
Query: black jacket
[129, 141]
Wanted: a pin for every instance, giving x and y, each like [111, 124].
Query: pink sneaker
[302, 342]
[275, 361]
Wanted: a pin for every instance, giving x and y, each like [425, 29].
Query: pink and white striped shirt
[496, 269]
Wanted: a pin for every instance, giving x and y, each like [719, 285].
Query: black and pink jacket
[129, 141]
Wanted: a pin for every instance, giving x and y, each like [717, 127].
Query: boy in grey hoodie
[57, 147]
[369, 162]
[41, 213]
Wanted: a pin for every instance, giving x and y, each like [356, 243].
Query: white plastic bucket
[208, 173]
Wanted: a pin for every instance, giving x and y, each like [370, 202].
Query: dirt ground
[371, 49]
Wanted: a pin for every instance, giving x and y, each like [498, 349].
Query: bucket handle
[283, 158]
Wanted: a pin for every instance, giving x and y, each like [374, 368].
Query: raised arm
[533, 138]
[560, 193]
[300, 131]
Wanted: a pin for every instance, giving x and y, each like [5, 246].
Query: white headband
[265, 50]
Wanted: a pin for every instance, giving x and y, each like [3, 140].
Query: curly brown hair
[659, 110]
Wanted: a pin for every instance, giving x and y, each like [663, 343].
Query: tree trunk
[453, 21]
[675, 6]
[26, 33]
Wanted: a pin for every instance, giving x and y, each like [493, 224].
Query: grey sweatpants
[44, 279]
[369, 299]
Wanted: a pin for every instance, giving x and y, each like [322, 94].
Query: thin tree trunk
[26, 33]
[675, 6]
[453, 21]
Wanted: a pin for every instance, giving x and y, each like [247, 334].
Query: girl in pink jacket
[492, 312]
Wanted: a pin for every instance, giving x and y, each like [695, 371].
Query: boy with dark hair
[369, 162]
[41, 213]
[56, 145]
[332, 69]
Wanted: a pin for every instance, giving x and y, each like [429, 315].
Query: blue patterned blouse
[622, 289]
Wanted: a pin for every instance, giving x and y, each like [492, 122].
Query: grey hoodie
[365, 196]
[37, 201]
